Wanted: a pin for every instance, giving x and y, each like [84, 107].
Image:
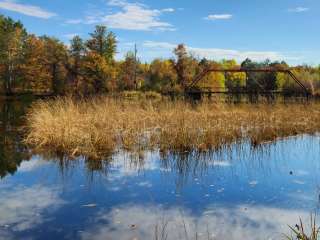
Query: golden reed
[101, 126]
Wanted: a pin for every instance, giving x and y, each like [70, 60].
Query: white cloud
[298, 9]
[218, 17]
[135, 16]
[29, 10]
[92, 18]
[237, 222]
[235, 54]
[129, 16]
[215, 53]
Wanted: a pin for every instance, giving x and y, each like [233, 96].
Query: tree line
[45, 65]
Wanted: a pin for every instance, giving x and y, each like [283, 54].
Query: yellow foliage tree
[162, 76]
[36, 73]
[98, 75]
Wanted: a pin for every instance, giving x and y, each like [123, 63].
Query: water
[237, 193]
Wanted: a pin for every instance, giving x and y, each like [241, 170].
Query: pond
[239, 192]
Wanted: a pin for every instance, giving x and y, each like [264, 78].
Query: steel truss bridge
[192, 89]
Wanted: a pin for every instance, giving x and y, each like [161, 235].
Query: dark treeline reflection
[240, 158]
[12, 150]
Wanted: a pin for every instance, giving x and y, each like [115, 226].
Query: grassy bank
[100, 126]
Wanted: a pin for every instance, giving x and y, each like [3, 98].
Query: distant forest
[45, 65]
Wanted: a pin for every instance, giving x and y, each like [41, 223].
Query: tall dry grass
[303, 231]
[103, 125]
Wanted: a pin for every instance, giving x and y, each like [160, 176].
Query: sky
[215, 29]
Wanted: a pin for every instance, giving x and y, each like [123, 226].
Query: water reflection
[12, 151]
[238, 192]
[216, 222]
[22, 209]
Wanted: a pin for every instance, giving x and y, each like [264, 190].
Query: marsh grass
[299, 231]
[101, 126]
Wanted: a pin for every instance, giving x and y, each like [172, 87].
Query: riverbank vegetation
[45, 65]
[302, 231]
[103, 125]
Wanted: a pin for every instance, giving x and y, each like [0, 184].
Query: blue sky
[216, 29]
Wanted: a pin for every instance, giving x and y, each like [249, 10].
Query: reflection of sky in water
[238, 193]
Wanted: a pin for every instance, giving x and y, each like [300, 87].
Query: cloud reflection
[22, 208]
[33, 164]
[125, 165]
[234, 223]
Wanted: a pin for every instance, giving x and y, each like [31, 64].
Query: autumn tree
[213, 80]
[45, 64]
[96, 74]
[186, 66]
[103, 43]
[307, 76]
[55, 53]
[73, 65]
[257, 82]
[35, 71]
[129, 75]
[12, 35]
[111, 46]
[161, 76]
[181, 63]
[233, 81]
[77, 51]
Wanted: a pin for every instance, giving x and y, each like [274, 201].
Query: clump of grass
[135, 95]
[299, 231]
[103, 125]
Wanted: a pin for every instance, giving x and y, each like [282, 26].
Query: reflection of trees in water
[186, 165]
[232, 161]
[67, 165]
[228, 165]
[182, 164]
[12, 151]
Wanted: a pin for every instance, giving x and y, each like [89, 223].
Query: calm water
[237, 193]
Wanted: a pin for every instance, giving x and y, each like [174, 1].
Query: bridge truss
[192, 87]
